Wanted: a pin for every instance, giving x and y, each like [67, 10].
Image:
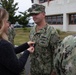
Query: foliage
[22, 36]
[58, 30]
[10, 6]
[23, 18]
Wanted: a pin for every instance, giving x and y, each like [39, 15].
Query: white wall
[61, 7]
[58, 26]
[72, 28]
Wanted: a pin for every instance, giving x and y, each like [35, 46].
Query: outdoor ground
[23, 35]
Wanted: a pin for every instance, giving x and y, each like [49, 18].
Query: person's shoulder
[4, 42]
[69, 39]
[33, 29]
[69, 42]
[12, 26]
[51, 29]
[34, 26]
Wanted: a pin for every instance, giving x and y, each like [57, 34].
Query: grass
[23, 35]
[64, 34]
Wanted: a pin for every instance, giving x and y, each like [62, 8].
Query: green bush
[58, 30]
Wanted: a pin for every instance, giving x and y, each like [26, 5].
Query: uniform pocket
[43, 41]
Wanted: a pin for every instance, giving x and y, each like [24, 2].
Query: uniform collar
[43, 30]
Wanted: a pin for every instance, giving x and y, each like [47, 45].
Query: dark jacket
[9, 63]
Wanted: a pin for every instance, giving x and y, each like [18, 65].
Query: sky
[23, 5]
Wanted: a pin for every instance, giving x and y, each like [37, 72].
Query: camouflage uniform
[46, 41]
[36, 8]
[11, 34]
[65, 57]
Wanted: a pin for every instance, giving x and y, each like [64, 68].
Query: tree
[23, 18]
[10, 6]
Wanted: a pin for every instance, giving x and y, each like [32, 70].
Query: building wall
[64, 7]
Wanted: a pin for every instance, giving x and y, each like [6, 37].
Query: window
[48, 19]
[32, 1]
[54, 19]
[59, 19]
[42, 1]
[72, 18]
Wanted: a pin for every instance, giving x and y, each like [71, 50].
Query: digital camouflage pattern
[11, 34]
[65, 57]
[46, 40]
[36, 8]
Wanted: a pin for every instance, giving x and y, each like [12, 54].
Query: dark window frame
[55, 19]
[72, 18]
[42, 1]
[32, 1]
